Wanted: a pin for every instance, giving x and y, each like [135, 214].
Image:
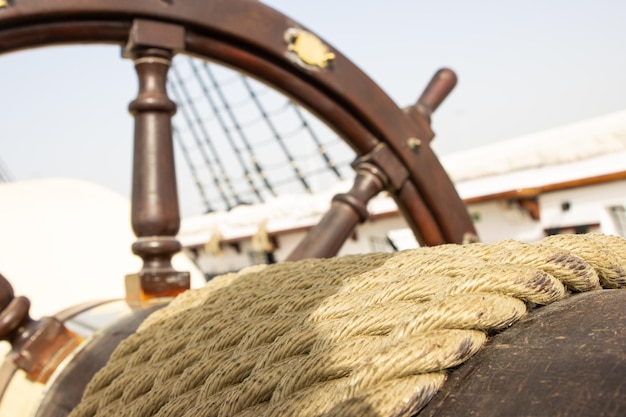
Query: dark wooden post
[155, 212]
[348, 210]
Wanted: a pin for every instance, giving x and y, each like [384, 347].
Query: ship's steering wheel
[392, 144]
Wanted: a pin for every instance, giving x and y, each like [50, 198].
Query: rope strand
[361, 335]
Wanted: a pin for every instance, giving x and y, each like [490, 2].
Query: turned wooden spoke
[155, 213]
[349, 209]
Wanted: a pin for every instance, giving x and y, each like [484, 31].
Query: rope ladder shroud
[230, 121]
[359, 335]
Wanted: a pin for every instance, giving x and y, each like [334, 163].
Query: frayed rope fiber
[361, 335]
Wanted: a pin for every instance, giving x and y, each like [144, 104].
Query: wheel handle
[37, 346]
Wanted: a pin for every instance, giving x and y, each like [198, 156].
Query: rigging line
[236, 104]
[286, 181]
[270, 140]
[322, 151]
[310, 155]
[317, 171]
[279, 139]
[346, 163]
[231, 78]
[194, 172]
[227, 131]
[198, 140]
[275, 111]
[310, 173]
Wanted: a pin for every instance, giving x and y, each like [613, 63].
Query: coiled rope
[364, 335]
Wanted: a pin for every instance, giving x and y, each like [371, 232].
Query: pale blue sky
[522, 67]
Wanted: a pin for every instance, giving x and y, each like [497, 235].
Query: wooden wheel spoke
[155, 213]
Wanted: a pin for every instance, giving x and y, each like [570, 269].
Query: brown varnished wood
[442, 83]
[425, 226]
[347, 210]
[37, 346]
[68, 387]
[155, 215]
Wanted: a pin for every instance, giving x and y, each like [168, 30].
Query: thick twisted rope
[366, 335]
